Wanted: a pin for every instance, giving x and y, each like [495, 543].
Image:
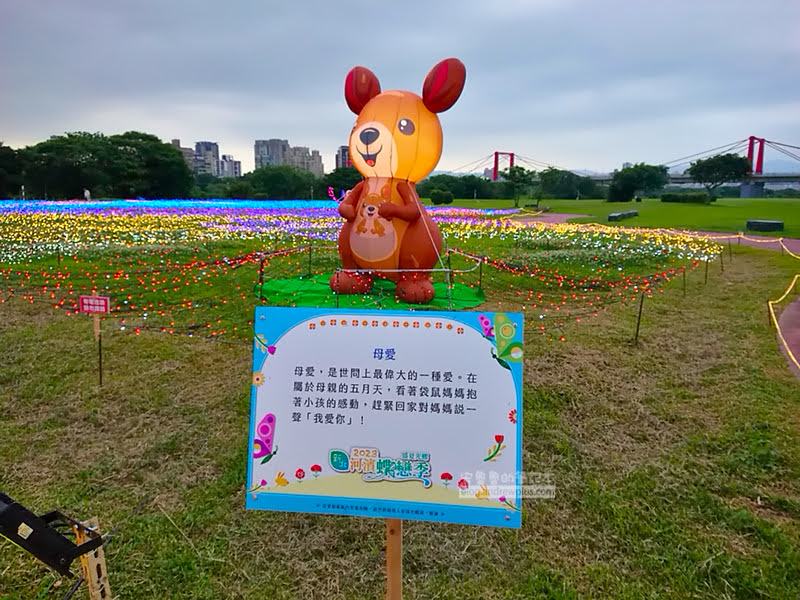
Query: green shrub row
[690, 197]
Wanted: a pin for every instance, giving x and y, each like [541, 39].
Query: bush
[689, 197]
[620, 192]
[727, 191]
[782, 193]
[441, 197]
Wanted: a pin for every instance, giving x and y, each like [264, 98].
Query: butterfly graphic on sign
[502, 332]
[487, 329]
[265, 434]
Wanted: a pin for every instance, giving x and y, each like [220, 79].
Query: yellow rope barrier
[770, 304]
[792, 254]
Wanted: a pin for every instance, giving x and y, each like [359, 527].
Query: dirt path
[548, 217]
[747, 239]
[789, 324]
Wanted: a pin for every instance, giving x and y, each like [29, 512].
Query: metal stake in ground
[721, 262]
[449, 282]
[394, 559]
[100, 358]
[706, 279]
[639, 319]
[261, 279]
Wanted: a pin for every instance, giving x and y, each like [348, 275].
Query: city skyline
[573, 83]
[275, 152]
[205, 159]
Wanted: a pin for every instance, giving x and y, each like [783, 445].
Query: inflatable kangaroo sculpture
[396, 142]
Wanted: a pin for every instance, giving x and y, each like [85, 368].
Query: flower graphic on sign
[512, 415]
[316, 470]
[263, 345]
[257, 487]
[495, 451]
[508, 503]
[299, 474]
[258, 378]
[446, 478]
[462, 484]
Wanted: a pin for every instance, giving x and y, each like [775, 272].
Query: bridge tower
[754, 189]
[497, 156]
[758, 166]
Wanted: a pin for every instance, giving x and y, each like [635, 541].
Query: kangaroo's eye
[406, 127]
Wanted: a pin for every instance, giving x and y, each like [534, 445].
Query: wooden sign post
[95, 305]
[394, 559]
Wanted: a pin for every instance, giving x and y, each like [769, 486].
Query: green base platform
[315, 292]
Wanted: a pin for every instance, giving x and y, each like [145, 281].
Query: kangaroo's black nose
[369, 135]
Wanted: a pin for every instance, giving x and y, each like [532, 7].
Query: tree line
[627, 183]
[140, 165]
[283, 182]
[127, 165]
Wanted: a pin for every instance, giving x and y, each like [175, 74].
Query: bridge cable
[718, 149]
[474, 162]
[533, 162]
[781, 144]
[735, 149]
[786, 152]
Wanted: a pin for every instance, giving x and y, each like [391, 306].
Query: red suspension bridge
[752, 147]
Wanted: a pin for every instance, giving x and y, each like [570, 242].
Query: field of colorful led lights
[676, 459]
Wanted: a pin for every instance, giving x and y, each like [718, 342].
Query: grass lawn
[726, 214]
[676, 461]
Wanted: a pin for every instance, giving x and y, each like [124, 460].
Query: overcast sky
[577, 83]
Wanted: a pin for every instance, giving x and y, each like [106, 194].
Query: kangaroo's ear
[443, 85]
[360, 86]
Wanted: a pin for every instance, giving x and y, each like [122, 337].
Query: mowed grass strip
[676, 462]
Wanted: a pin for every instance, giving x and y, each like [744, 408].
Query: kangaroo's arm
[408, 211]
[347, 207]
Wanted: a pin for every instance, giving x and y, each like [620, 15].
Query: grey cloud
[594, 83]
